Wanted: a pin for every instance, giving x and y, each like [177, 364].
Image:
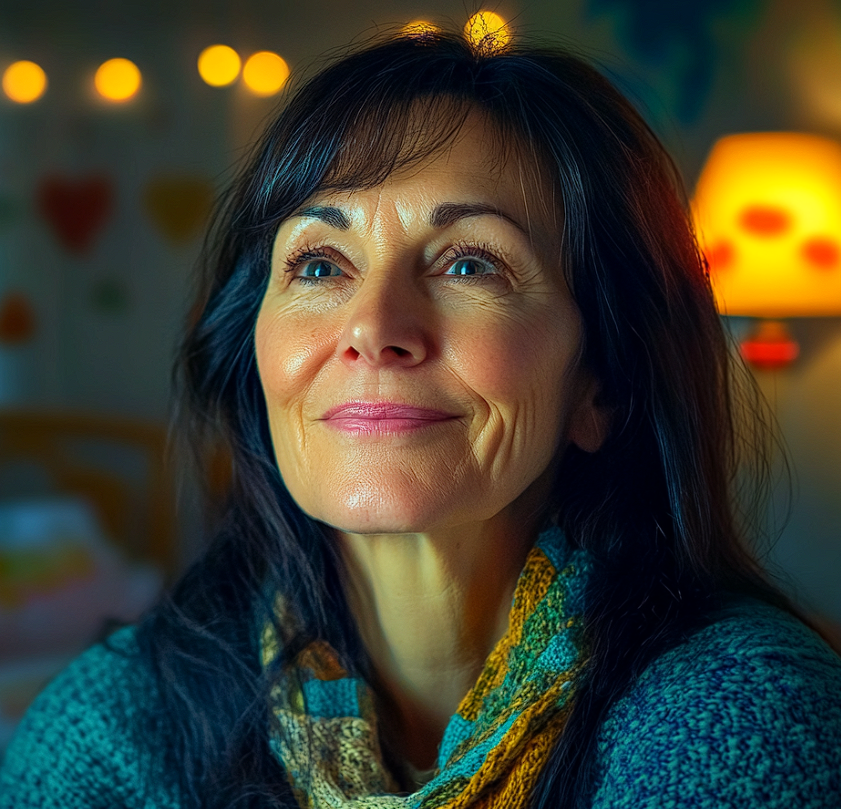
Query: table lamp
[767, 211]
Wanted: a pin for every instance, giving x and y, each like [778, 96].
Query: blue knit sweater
[746, 713]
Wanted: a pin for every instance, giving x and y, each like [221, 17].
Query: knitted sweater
[746, 713]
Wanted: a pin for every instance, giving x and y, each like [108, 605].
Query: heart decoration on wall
[178, 205]
[76, 209]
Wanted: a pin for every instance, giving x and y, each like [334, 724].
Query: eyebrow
[443, 215]
[448, 213]
[335, 217]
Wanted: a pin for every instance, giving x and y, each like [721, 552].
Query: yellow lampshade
[767, 209]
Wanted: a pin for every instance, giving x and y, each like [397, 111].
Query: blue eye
[319, 269]
[469, 266]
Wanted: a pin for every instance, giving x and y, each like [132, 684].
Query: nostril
[400, 352]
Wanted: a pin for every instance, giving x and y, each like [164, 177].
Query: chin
[376, 521]
[378, 513]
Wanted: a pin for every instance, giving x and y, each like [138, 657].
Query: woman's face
[417, 345]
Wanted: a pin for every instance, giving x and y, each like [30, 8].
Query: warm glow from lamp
[24, 82]
[117, 80]
[487, 32]
[219, 65]
[768, 213]
[265, 73]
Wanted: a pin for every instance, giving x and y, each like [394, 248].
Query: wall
[108, 320]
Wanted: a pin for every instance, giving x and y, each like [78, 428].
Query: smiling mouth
[379, 418]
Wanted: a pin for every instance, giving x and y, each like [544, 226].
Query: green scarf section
[495, 745]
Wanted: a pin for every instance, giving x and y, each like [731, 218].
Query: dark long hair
[655, 506]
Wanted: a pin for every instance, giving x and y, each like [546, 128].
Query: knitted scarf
[495, 745]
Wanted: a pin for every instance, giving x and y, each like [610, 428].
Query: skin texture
[468, 316]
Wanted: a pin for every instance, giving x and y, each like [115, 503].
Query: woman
[457, 338]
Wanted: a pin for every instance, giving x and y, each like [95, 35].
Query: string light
[419, 29]
[265, 73]
[117, 79]
[219, 65]
[487, 32]
[24, 82]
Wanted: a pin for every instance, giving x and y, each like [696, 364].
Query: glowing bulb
[265, 73]
[117, 79]
[24, 82]
[487, 32]
[219, 65]
[419, 29]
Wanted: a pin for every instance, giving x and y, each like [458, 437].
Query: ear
[589, 422]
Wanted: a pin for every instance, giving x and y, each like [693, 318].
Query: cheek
[519, 368]
[289, 352]
[516, 364]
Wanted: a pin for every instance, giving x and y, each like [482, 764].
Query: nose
[385, 326]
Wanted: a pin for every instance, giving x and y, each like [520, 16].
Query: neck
[430, 607]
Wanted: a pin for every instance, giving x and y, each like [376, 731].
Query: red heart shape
[76, 209]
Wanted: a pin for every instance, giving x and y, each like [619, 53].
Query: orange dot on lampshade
[117, 79]
[765, 220]
[265, 73]
[821, 253]
[720, 256]
[24, 82]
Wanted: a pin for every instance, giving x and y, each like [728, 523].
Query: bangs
[397, 135]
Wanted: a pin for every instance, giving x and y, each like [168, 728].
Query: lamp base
[770, 345]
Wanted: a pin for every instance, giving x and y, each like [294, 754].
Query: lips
[382, 417]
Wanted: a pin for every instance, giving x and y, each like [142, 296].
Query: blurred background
[108, 171]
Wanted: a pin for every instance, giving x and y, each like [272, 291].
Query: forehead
[477, 164]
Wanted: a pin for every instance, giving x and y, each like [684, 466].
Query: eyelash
[480, 251]
[456, 252]
[304, 255]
